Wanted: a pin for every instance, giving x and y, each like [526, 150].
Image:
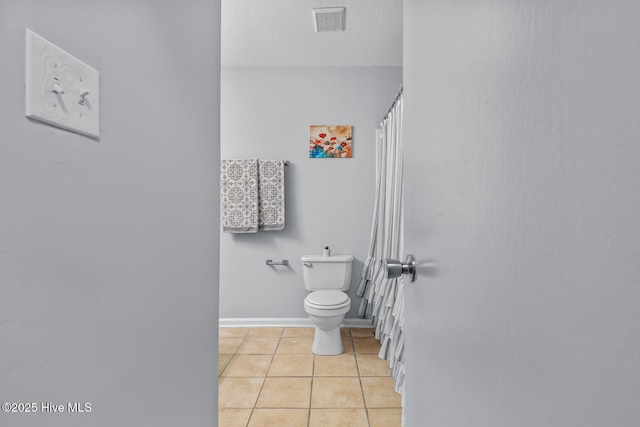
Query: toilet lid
[327, 298]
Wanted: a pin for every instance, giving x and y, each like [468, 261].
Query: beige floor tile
[366, 345]
[230, 417]
[223, 361]
[342, 365]
[265, 332]
[338, 397]
[279, 418]
[229, 345]
[379, 392]
[238, 392]
[285, 393]
[294, 345]
[348, 346]
[233, 332]
[336, 392]
[248, 365]
[385, 417]
[298, 332]
[370, 365]
[338, 417]
[291, 365]
[362, 332]
[258, 346]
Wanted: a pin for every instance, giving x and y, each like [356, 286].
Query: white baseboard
[286, 322]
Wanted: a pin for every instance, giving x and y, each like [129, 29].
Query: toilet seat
[327, 300]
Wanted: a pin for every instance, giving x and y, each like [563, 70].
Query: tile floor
[270, 377]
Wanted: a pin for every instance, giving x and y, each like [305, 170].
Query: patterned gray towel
[239, 195]
[271, 194]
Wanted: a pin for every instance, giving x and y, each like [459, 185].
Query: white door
[522, 198]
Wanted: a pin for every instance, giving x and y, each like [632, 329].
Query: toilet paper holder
[283, 262]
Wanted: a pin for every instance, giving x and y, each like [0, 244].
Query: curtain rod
[395, 101]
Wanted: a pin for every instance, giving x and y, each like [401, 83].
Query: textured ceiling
[279, 33]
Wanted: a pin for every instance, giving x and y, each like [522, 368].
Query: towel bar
[272, 262]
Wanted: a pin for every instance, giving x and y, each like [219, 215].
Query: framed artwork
[330, 141]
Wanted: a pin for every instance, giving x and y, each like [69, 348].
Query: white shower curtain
[382, 298]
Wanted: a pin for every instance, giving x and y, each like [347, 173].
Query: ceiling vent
[328, 19]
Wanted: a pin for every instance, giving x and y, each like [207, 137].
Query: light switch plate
[60, 89]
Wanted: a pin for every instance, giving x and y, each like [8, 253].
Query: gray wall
[266, 113]
[524, 117]
[109, 249]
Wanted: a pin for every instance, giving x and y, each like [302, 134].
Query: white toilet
[328, 277]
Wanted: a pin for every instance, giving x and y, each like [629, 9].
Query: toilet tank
[327, 272]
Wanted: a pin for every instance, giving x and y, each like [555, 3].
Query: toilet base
[327, 342]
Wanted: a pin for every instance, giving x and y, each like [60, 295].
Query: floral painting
[327, 141]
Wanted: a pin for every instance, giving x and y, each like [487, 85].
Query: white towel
[239, 195]
[271, 194]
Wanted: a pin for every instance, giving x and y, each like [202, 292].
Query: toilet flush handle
[307, 264]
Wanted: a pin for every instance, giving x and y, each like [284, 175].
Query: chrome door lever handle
[395, 268]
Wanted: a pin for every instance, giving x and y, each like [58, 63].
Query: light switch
[60, 89]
